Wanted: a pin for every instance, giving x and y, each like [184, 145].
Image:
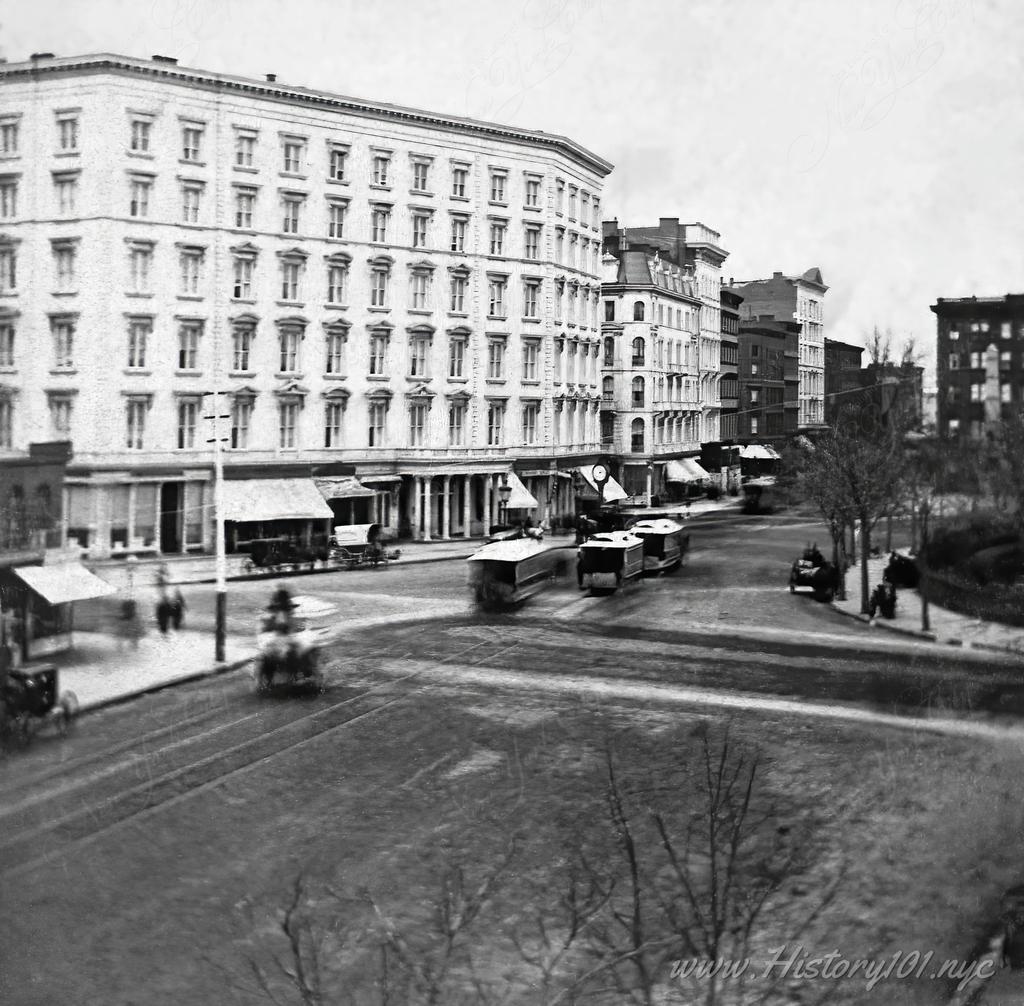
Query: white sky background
[882, 141]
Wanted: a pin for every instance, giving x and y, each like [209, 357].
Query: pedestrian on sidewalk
[163, 614]
[131, 625]
[178, 607]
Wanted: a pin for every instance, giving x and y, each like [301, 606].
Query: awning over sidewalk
[63, 582]
[612, 490]
[684, 470]
[273, 499]
[521, 498]
[759, 452]
[342, 487]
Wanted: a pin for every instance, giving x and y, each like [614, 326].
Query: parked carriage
[506, 573]
[30, 699]
[607, 561]
[666, 543]
[354, 545]
[813, 570]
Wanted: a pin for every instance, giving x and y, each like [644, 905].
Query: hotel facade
[403, 302]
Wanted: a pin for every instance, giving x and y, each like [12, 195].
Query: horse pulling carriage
[288, 646]
[30, 700]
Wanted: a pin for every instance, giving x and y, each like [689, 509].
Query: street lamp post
[220, 629]
[504, 495]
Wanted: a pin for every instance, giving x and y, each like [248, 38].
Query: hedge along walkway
[947, 626]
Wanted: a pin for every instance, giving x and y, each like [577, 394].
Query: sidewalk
[102, 668]
[947, 627]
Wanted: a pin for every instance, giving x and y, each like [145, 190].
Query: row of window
[575, 421]
[976, 360]
[977, 392]
[573, 360]
[294, 158]
[1005, 329]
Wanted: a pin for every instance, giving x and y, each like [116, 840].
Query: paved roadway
[131, 845]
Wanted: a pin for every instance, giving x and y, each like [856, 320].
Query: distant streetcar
[606, 561]
[666, 543]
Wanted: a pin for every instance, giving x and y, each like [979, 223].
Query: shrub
[954, 542]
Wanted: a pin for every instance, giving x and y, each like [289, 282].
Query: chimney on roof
[166, 59]
[776, 275]
[271, 77]
[732, 282]
[41, 55]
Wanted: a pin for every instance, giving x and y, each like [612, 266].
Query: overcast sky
[880, 141]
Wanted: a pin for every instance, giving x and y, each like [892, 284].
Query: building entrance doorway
[171, 494]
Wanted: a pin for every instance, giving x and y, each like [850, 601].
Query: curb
[117, 700]
[925, 636]
[209, 672]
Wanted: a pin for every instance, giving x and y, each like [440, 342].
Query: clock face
[600, 473]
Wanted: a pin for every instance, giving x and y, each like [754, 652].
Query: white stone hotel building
[411, 295]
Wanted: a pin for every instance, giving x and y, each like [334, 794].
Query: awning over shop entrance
[273, 499]
[521, 498]
[612, 490]
[684, 470]
[342, 487]
[759, 452]
[63, 582]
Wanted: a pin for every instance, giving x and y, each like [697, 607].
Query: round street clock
[600, 473]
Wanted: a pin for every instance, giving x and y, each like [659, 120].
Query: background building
[729, 384]
[842, 376]
[650, 410]
[968, 328]
[800, 299]
[769, 355]
[412, 294]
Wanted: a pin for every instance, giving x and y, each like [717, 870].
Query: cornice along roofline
[115, 63]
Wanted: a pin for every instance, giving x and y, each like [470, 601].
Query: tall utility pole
[220, 630]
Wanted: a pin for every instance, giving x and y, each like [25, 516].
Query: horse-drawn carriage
[289, 645]
[813, 570]
[30, 699]
[354, 545]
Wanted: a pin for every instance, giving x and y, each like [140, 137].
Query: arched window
[638, 392]
[638, 311]
[638, 351]
[608, 389]
[609, 352]
[636, 436]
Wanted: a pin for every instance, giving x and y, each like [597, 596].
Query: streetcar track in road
[186, 780]
[136, 759]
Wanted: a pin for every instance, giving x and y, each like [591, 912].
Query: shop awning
[521, 498]
[273, 499]
[63, 582]
[612, 490]
[759, 452]
[342, 487]
[684, 470]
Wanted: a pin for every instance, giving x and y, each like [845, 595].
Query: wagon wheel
[579, 575]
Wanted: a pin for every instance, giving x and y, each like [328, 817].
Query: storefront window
[144, 531]
[119, 499]
[79, 514]
[194, 517]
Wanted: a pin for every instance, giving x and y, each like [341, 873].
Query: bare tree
[879, 345]
[855, 471]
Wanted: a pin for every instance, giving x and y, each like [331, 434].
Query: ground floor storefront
[139, 513]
